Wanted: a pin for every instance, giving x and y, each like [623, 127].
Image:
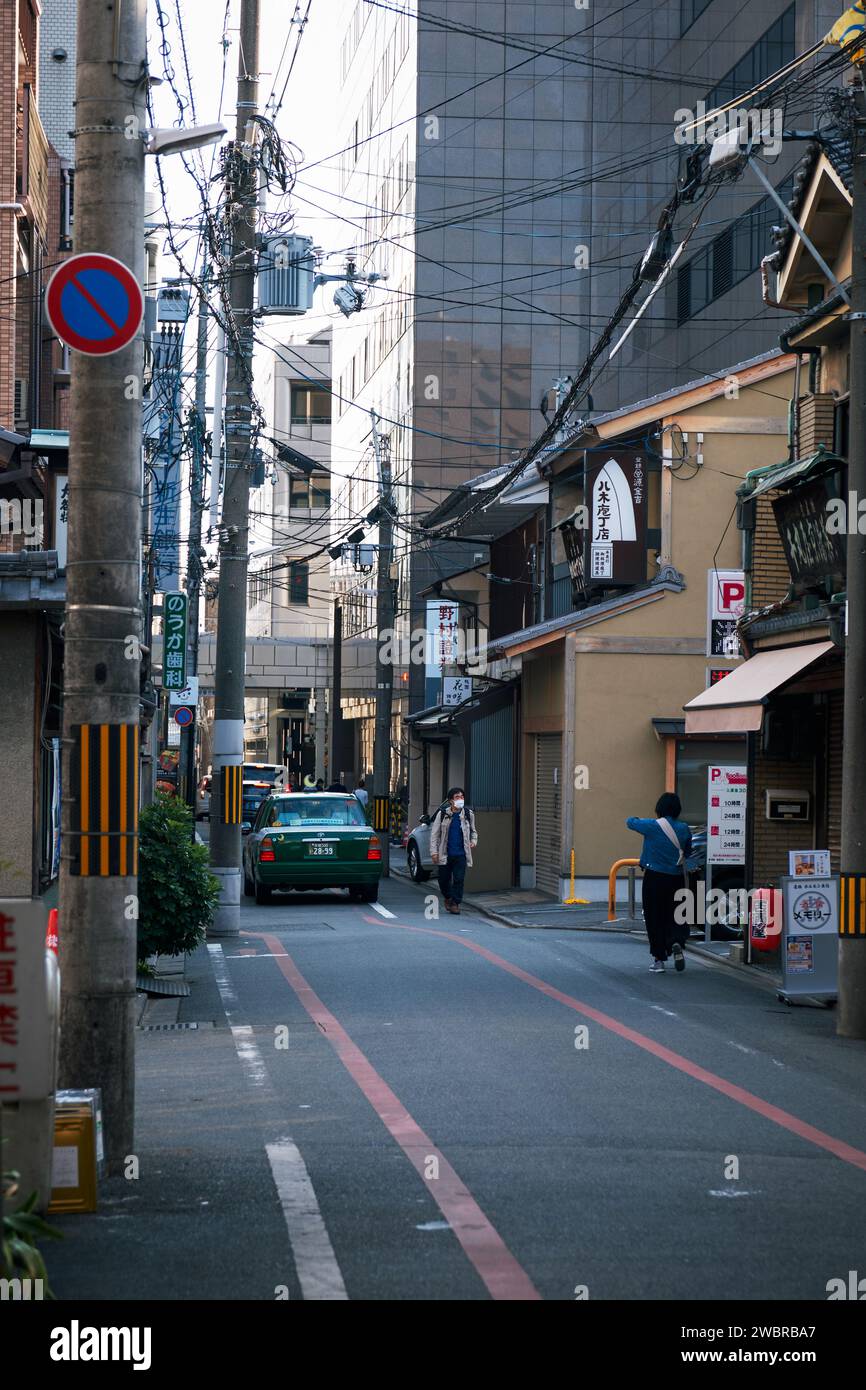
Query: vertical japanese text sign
[175, 607]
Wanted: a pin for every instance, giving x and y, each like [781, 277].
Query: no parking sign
[94, 304]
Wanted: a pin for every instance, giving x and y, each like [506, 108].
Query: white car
[202, 800]
[418, 859]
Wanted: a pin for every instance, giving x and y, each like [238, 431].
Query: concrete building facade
[508, 188]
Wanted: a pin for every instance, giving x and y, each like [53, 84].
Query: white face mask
[458, 803]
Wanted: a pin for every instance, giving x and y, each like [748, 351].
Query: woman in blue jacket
[667, 843]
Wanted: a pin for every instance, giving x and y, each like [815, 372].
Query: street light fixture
[172, 140]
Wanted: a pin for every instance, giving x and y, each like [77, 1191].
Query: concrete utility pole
[228, 731]
[98, 873]
[384, 623]
[852, 950]
[336, 750]
[193, 563]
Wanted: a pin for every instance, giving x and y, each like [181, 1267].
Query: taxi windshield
[309, 810]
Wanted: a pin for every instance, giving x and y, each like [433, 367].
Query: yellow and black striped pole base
[104, 796]
[852, 905]
[231, 794]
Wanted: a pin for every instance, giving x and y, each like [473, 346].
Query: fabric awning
[736, 704]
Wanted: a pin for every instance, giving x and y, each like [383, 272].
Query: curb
[522, 926]
[771, 984]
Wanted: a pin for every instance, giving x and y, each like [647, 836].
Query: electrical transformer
[287, 269]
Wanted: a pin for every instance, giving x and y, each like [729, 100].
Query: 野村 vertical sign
[726, 815]
[175, 612]
[443, 622]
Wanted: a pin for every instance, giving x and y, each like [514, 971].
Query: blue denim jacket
[658, 853]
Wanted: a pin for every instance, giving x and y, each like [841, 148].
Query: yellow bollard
[572, 900]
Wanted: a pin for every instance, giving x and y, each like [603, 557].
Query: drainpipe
[566, 772]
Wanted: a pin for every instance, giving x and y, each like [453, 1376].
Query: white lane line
[315, 1261]
[257, 955]
[382, 911]
[669, 1012]
[316, 1264]
[741, 1047]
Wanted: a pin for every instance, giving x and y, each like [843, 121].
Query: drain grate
[173, 1027]
[148, 984]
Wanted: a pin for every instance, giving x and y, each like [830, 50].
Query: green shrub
[177, 893]
[19, 1255]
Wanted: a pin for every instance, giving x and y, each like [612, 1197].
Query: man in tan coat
[452, 839]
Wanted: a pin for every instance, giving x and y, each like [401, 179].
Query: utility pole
[228, 747]
[336, 697]
[193, 564]
[384, 624]
[98, 872]
[852, 950]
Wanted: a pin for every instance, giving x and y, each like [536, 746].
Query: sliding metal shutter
[492, 762]
[548, 811]
[835, 707]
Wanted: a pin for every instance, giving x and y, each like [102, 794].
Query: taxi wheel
[263, 894]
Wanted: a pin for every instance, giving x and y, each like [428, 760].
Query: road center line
[846, 1152]
[316, 1264]
[497, 1267]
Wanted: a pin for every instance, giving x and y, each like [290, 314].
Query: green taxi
[311, 841]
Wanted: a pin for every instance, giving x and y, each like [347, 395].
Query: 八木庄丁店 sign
[616, 490]
[175, 606]
[726, 815]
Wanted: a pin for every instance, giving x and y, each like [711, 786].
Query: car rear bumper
[320, 875]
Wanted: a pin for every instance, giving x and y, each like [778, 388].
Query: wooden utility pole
[98, 872]
[852, 949]
[384, 630]
[228, 732]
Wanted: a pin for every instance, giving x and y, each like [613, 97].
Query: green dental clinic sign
[175, 612]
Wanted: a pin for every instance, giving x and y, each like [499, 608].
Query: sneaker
[679, 957]
[656, 967]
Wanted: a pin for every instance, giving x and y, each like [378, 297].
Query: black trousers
[452, 875]
[658, 912]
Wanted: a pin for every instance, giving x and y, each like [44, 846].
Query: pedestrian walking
[361, 793]
[667, 843]
[452, 839]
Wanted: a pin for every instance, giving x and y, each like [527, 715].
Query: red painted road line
[497, 1267]
[837, 1147]
[94, 303]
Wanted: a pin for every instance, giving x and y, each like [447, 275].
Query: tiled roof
[836, 145]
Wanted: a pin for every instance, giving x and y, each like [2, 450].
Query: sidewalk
[531, 908]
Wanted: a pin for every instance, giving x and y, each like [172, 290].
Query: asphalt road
[385, 1105]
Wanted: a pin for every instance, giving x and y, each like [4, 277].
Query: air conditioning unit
[21, 401]
[287, 269]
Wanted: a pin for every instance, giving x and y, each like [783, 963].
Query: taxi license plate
[318, 851]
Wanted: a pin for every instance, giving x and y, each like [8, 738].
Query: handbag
[667, 829]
